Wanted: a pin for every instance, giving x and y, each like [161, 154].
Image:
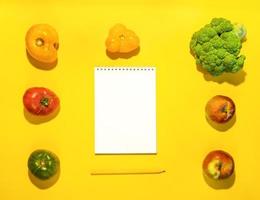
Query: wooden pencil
[127, 171]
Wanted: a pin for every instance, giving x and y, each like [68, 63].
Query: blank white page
[125, 110]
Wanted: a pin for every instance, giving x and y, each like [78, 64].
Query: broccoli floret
[216, 46]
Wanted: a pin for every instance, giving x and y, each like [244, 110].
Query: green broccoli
[217, 45]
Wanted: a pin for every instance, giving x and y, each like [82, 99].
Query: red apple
[218, 165]
[220, 109]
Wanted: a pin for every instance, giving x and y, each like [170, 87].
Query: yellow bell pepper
[121, 40]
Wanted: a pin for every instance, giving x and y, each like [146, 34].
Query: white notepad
[125, 110]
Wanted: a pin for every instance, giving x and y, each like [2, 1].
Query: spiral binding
[126, 68]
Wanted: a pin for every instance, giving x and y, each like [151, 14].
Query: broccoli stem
[240, 31]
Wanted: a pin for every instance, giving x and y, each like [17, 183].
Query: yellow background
[184, 135]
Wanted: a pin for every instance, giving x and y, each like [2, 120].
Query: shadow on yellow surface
[222, 127]
[41, 65]
[36, 119]
[117, 55]
[44, 184]
[231, 78]
[220, 184]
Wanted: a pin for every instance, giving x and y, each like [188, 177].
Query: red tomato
[40, 101]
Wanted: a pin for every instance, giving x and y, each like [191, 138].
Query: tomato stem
[44, 102]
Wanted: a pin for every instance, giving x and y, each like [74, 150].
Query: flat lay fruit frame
[230, 140]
